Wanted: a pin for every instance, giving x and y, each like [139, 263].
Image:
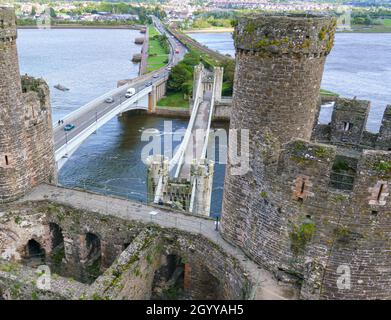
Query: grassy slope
[174, 100]
[156, 53]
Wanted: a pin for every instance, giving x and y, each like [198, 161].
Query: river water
[90, 61]
[359, 65]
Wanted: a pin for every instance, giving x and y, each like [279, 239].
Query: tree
[52, 13]
[178, 76]
[33, 11]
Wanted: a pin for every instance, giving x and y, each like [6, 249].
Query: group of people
[60, 122]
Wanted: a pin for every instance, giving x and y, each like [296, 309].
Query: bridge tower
[26, 136]
[279, 67]
[13, 157]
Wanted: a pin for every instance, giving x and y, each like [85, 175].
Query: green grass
[152, 31]
[157, 56]
[387, 22]
[385, 28]
[324, 92]
[173, 99]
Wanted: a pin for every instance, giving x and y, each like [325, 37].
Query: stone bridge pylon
[185, 181]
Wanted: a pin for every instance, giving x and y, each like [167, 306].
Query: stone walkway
[267, 288]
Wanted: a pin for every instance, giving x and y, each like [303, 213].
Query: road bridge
[87, 119]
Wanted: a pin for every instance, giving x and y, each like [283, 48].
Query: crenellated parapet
[288, 34]
[347, 128]
[8, 31]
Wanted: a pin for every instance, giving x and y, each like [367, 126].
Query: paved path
[266, 289]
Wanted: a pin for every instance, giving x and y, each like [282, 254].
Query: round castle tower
[13, 177]
[279, 66]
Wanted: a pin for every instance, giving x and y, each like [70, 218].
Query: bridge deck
[86, 119]
[196, 143]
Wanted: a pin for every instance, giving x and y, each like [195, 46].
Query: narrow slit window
[302, 187]
[347, 126]
[380, 192]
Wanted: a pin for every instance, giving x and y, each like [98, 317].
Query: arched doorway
[168, 282]
[56, 236]
[93, 246]
[34, 253]
[57, 247]
[93, 258]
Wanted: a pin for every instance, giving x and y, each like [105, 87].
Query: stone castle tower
[26, 138]
[314, 205]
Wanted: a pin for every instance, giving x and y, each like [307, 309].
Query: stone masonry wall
[279, 65]
[39, 131]
[26, 136]
[131, 252]
[13, 158]
[285, 212]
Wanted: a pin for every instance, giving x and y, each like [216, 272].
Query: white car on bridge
[130, 92]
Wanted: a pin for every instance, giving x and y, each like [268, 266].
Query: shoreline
[229, 30]
[210, 30]
[80, 26]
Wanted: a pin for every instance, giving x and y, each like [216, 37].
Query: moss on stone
[383, 167]
[250, 27]
[300, 235]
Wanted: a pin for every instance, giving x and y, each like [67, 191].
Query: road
[94, 113]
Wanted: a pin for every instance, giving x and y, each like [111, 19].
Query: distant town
[197, 15]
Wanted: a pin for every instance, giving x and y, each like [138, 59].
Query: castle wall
[347, 128]
[276, 91]
[309, 212]
[26, 136]
[39, 131]
[13, 158]
[135, 252]
[384, 140]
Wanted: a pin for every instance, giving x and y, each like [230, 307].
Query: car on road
[169, 68]
[69, 127]
[109, 100]
[130, 92]
[177, 51]
[149, 83]
[156, 76]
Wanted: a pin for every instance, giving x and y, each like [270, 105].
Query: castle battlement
[347, 127]
[7, 24]
[331, 170]
[291, 34]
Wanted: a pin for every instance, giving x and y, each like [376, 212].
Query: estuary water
[359, 65]
[90, 61]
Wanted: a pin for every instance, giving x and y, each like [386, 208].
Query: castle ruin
[315, 203]
[26, 138]
[314, 206]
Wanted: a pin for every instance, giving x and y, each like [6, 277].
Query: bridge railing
[71, 145]
[205, 146]
[180, 155]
